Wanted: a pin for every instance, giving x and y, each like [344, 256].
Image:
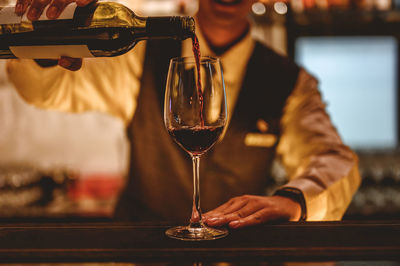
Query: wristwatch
[296, 195]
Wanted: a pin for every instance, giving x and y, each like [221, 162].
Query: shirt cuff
[296, 195]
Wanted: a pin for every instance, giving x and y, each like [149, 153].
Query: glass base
[188, 233]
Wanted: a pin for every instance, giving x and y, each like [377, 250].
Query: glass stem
[196, 219]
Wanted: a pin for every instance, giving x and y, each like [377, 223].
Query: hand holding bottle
[103, 29]
[34, 9]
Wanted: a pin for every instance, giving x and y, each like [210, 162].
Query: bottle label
[8, 16]
[50, 51]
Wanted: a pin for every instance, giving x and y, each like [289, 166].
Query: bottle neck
[175, 27]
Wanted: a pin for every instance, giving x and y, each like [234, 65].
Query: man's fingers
[256, 210]
[84, 2]
[230, 206]
[253, 219]
[245, 211]
[21, 6]
[259, 217]
[216, 215]
[37, 6]
[36, 9]
[69, 63]
[219, 210]
[56, 7]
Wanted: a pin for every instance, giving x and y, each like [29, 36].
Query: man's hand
[251, 210]
[35, 8]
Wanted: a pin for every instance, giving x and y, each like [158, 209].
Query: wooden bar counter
[147, 243]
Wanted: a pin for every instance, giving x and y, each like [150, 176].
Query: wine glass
[195, 115]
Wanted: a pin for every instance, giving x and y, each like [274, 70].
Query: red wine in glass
[196, 140]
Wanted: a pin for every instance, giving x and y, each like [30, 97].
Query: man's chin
[228, 2]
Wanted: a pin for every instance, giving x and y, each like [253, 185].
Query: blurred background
[62, 165]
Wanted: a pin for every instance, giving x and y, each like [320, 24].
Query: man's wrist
[296, 195]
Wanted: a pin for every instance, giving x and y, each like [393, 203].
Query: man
[275, 110]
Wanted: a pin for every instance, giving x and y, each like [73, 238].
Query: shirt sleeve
[316, 160]
[108, 85]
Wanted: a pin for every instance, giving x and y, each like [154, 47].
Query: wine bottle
[101, 29]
